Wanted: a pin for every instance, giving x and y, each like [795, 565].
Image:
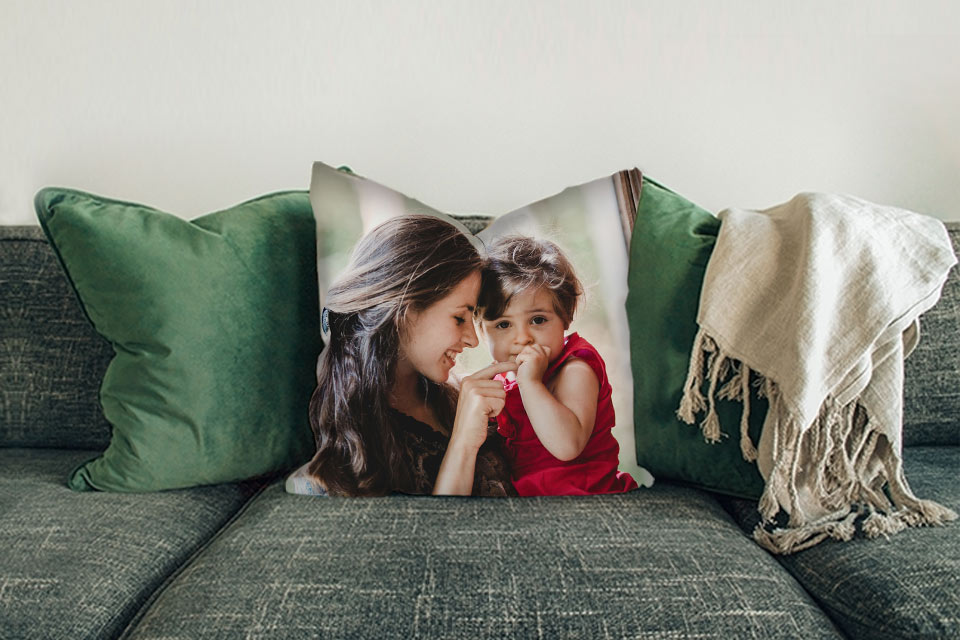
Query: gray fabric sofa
[248, 560]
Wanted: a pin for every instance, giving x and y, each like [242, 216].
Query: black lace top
[425, 448]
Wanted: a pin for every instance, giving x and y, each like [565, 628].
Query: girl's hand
[481, 398]
[532, 363]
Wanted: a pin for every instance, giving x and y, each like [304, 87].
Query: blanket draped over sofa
[814, 304]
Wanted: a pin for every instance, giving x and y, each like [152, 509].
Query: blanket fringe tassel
[846, 483]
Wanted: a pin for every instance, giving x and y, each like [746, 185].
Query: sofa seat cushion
[80, 565]
[667, 561]
[906, 586]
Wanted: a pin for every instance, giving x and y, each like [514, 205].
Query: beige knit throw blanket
[814, 304]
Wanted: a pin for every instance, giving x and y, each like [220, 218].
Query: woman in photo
[387, 415]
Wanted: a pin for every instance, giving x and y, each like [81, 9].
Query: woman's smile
[450, 358]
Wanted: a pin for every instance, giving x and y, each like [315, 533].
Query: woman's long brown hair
[406, 263]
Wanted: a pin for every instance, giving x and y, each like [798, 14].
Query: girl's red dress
[535, 471]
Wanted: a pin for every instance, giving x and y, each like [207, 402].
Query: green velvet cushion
[671, 245]
[215, 327]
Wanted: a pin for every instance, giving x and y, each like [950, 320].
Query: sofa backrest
[931, 393]
[52, 361]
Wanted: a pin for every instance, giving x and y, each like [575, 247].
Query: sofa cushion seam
[188, 562]
[839, 614]
[817, 602]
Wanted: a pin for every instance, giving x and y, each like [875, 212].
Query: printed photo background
[591, 223]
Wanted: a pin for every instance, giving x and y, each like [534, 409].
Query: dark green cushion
[81, 565]
[671, 245]
[660, 563]
[215, 327]
[904, 586]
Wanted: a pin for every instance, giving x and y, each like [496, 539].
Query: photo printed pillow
[592, 223]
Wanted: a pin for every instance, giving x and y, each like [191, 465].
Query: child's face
[528, 319]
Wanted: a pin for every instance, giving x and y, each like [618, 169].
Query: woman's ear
[405, 318]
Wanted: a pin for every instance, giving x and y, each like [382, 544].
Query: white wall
[480, 106]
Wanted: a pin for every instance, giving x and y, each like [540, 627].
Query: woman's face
[436, 335]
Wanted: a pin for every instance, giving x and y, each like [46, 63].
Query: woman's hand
[481, 398]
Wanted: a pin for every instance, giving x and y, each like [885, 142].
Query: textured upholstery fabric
[81, 565]
[51, 359]
[931, 391]
[664, 562]
[475, 223]
[907, 586]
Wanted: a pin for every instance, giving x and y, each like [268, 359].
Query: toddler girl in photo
[558, 412]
